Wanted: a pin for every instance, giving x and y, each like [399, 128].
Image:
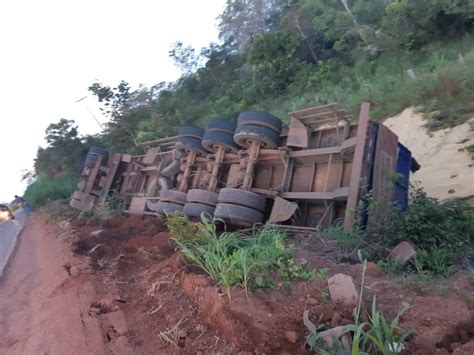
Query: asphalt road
[9, 231]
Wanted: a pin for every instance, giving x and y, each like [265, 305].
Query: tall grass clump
[231, 259]
[45, 189]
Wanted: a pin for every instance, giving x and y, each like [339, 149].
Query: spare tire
[168, 207]
[173, 196]
[267, 137]
[213, 139]
[257, 118]
[242, 198]
[99, 151]
[203, 197]
[221, 124]
[94, 154]
[196, 209]
[191, 131]
[190, 143]
[238, 215]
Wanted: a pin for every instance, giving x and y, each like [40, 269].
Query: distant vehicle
[6, 213]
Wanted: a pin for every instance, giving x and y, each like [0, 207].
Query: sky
[53, 50]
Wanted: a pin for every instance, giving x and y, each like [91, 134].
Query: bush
[45, 189]
[442, 232]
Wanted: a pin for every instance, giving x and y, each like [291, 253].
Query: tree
[244, 19]
[65, 152]
[185, 58]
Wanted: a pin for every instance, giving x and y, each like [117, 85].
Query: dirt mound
[172, 306]
[446, 167]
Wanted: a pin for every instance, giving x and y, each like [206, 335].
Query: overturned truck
[251, 170]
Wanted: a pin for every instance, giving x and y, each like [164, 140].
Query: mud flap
[282, 210]
[297, 134]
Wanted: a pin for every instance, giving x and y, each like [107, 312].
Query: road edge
[11, 250]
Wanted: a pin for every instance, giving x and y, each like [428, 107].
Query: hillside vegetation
[278, 56]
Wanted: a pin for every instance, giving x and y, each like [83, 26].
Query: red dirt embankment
[37, 314]
[126, 291]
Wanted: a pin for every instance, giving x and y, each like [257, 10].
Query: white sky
[52, 50]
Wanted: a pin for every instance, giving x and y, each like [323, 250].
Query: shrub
[45, 189]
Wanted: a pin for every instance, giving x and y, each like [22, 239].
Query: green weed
[391, 266]
[377, 335]
[240, 258]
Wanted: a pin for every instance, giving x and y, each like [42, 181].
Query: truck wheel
[202, 196]
[191, 131]
[221, 124]
[265, 136]
[213, 139]
[93, 155]
[238, 215]
[173, 196]
[257, 118]
[192, 209]
[190, 143]
[168, 207]
[242, 198]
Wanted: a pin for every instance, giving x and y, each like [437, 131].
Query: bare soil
[145, 299]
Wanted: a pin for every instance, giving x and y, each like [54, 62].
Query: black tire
[238, 215]
[190, 143]
[99, 151]
[257, 118]
[94, 154]
[196, 209]
[221, 124]
[191, 131]
[242, 198]
[213, 139]
[202, 197]
[267, 137]
[173, 196]
[168, 207]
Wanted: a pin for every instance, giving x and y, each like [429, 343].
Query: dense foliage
[281, 55]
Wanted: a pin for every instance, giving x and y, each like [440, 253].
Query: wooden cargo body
[317, 171]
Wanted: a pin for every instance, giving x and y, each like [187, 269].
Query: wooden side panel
[300, 177]
[137, 204]
[358, 164]
[297, 134]
[346, 173]
[385, 165]
[150, 155]
[320, 176]
[263, 177]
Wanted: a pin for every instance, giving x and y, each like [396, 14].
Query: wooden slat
[308, 196]
[322, 151]
[161, 141]
[333, 114]
[357, 165]
[313, 109]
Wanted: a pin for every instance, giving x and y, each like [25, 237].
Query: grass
[244, 259]
[442, 88]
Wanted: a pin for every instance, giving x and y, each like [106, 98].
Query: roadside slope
[37, 315]
[447, 169]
